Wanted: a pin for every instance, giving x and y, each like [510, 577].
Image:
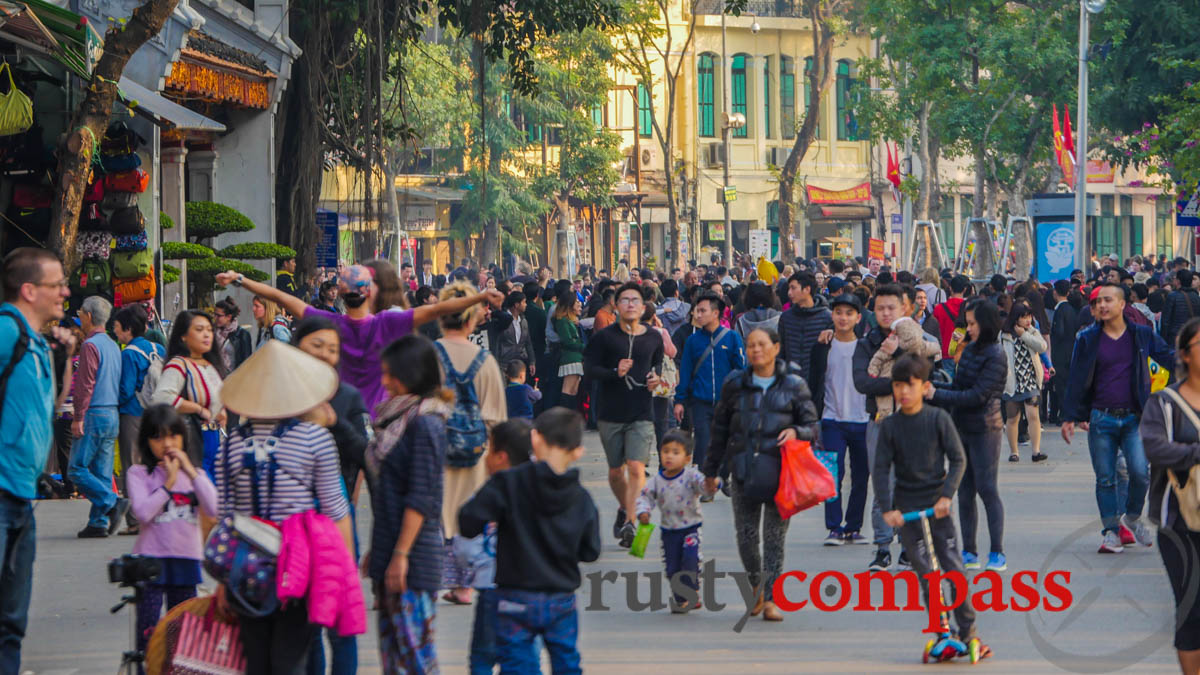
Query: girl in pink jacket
[167, 494]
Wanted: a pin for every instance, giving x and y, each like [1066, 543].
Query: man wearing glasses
[1107, 387]
[34, 291]
[625, 361]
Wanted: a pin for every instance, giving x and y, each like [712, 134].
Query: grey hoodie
[756, 318]
[673, 314]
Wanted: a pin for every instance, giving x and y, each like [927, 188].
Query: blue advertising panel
[327, 243]
[1187, 209]
[1055, 255]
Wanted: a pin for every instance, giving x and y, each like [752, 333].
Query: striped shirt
[183, 379]
[308, 469]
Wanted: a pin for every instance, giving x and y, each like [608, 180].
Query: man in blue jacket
[34, 291]
[1107, 388]
[709, 355]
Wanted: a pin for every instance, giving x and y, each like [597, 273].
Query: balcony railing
[760, 8]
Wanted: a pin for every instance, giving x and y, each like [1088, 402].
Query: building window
[787, 98]
[1164, 226]
[949, 229]
[847, 126]
[1107, 205]
[766, 90]
[738, 76]
[645, 112]
[808, 66]
[598, 114]
[704, 92]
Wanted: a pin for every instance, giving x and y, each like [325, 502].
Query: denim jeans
[1106, 436]
[483, 634]
[701, 413]
[92, 462]
[839, 437]
[17, 546]
[523, 615]
[883, 533]
[344, 657]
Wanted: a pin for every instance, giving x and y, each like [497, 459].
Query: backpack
[91, 278]
[132, 264]
[119, 163]
[94, 245]
[466, 433]
[150, 378]
[958, 336]
[134, 290]
[132, 242]
[127, 221]
[134, 180]
[18, 353]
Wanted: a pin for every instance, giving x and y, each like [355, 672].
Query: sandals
[1014, 457]
[454, 599]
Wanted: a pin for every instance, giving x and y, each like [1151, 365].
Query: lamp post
[1086, 8]
[728, 121]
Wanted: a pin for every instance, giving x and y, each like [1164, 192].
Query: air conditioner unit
[642, 161]
[715, 155]
[779, 156]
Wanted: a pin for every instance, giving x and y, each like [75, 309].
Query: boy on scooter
[917, 441]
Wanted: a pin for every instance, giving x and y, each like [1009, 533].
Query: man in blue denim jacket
[34, 291]
[1107, 388]
[702, 371]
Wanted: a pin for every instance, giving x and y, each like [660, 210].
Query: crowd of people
[460, 399]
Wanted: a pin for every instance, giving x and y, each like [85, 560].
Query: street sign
[327, 243]
[1188, 210]
[897, 223]
[1055, 254]
[730, 193]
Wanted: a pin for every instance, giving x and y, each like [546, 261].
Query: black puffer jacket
[799, 328]
[746, 417]
[1180, 308]
[974, 395]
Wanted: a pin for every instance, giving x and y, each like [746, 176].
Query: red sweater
[946, 318]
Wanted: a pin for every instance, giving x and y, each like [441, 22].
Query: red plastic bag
[803, 481]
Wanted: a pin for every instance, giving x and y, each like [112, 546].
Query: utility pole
[726, 120]
[1086, 7]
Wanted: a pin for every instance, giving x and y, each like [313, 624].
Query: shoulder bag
[1188, 495]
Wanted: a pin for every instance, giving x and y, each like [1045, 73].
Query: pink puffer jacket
[314, 563]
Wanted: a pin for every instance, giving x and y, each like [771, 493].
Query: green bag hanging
[641, 539]
[16, 110]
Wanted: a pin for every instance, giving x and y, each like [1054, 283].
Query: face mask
[354, 300]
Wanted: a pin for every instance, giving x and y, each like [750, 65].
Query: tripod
[131, 660]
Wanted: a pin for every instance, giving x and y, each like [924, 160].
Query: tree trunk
[298, 165]
[389, 186]
[90, 120]
[980, 200]
[925, 195]
[559, 242]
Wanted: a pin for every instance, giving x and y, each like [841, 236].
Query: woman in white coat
[1023, 344]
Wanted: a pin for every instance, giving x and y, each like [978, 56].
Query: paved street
[1120, 618]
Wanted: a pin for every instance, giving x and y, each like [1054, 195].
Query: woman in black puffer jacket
[974, 399]
[760, 408]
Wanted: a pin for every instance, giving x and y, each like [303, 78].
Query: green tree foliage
[185, 250]
[1168, 149]
[209, 219]
[206, 221]
[257, 251]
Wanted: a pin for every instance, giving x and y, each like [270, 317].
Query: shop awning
[64, 35]
[162, 111]
[826, 213]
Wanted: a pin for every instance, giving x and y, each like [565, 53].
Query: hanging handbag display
[134, 290]
[32, 195]
[127, 221]
[92, 277]
[135, 180]
[119, 139]
[94, 245]
[111, 201]
[92, 219]
[16, 109]
[132, 242]
[94, 192]
[132, 264]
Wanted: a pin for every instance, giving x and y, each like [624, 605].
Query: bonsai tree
[205, 222]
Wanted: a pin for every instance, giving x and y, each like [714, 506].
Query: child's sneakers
[970, 560]
[996, 562]
[835, 538]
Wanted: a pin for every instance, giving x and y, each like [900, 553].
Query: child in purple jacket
[167, 494]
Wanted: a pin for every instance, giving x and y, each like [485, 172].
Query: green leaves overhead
[185, 250]
[257, 251]
[209, 219]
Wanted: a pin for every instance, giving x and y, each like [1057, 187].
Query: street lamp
[1086, 8]
[729, 120]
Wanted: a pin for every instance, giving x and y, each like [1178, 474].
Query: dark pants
[1059, 383]
[681, 553]
[983, 461]
[1180, 551]
[127, 449]
[702, 417]
[344, 650]
[524, 615]
[662, 420]
[483, 635]
[17, 548]
[277, 644]
[149, 610]
[761, 535]
[841, 437]
[945, 546]
[62, 451]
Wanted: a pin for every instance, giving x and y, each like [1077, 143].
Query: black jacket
[864, 382]
[546, 524]
[1181, 306]
[508, 348]
[243, 345]
[799, 328]
[1063, 328]
[746, 418]
[974, 395]
[350, 432]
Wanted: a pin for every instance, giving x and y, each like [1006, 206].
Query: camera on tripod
[131, 570]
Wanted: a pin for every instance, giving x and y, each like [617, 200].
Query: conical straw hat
[278, 381]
